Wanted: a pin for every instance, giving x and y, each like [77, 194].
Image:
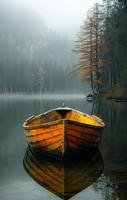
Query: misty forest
[35, 59]
[101, 46]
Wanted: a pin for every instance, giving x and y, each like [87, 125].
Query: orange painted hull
[63, 131]
[64, 137]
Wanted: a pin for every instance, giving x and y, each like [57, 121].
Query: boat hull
[65, 137]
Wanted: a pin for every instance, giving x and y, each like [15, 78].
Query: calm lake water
[109, 183]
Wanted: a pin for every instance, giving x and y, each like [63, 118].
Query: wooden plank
[47, 136]
[78, 145]
[49, 144]
[83, 137]
[48, 141]
[44, 130]
[77, 127]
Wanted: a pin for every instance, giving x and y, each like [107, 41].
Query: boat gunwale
[27, 127]
[30, 127]
[94, 117]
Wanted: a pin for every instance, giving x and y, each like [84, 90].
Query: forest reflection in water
[17, 185]
[114, 148]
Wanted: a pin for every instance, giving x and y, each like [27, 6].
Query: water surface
[16, 184]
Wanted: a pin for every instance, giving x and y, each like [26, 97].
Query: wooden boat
[63, 131]
[64, 179]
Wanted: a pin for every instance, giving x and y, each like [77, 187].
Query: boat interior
[66, 114]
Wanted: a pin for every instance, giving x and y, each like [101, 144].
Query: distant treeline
[32, 57]
[102, 46]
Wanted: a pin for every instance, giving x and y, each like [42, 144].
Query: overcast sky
[60, 15]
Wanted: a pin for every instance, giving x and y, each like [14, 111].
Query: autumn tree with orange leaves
[91, 47]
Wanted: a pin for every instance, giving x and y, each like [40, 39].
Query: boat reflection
[65, 178]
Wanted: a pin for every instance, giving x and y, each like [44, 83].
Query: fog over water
[37, 38]
[62, 16]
